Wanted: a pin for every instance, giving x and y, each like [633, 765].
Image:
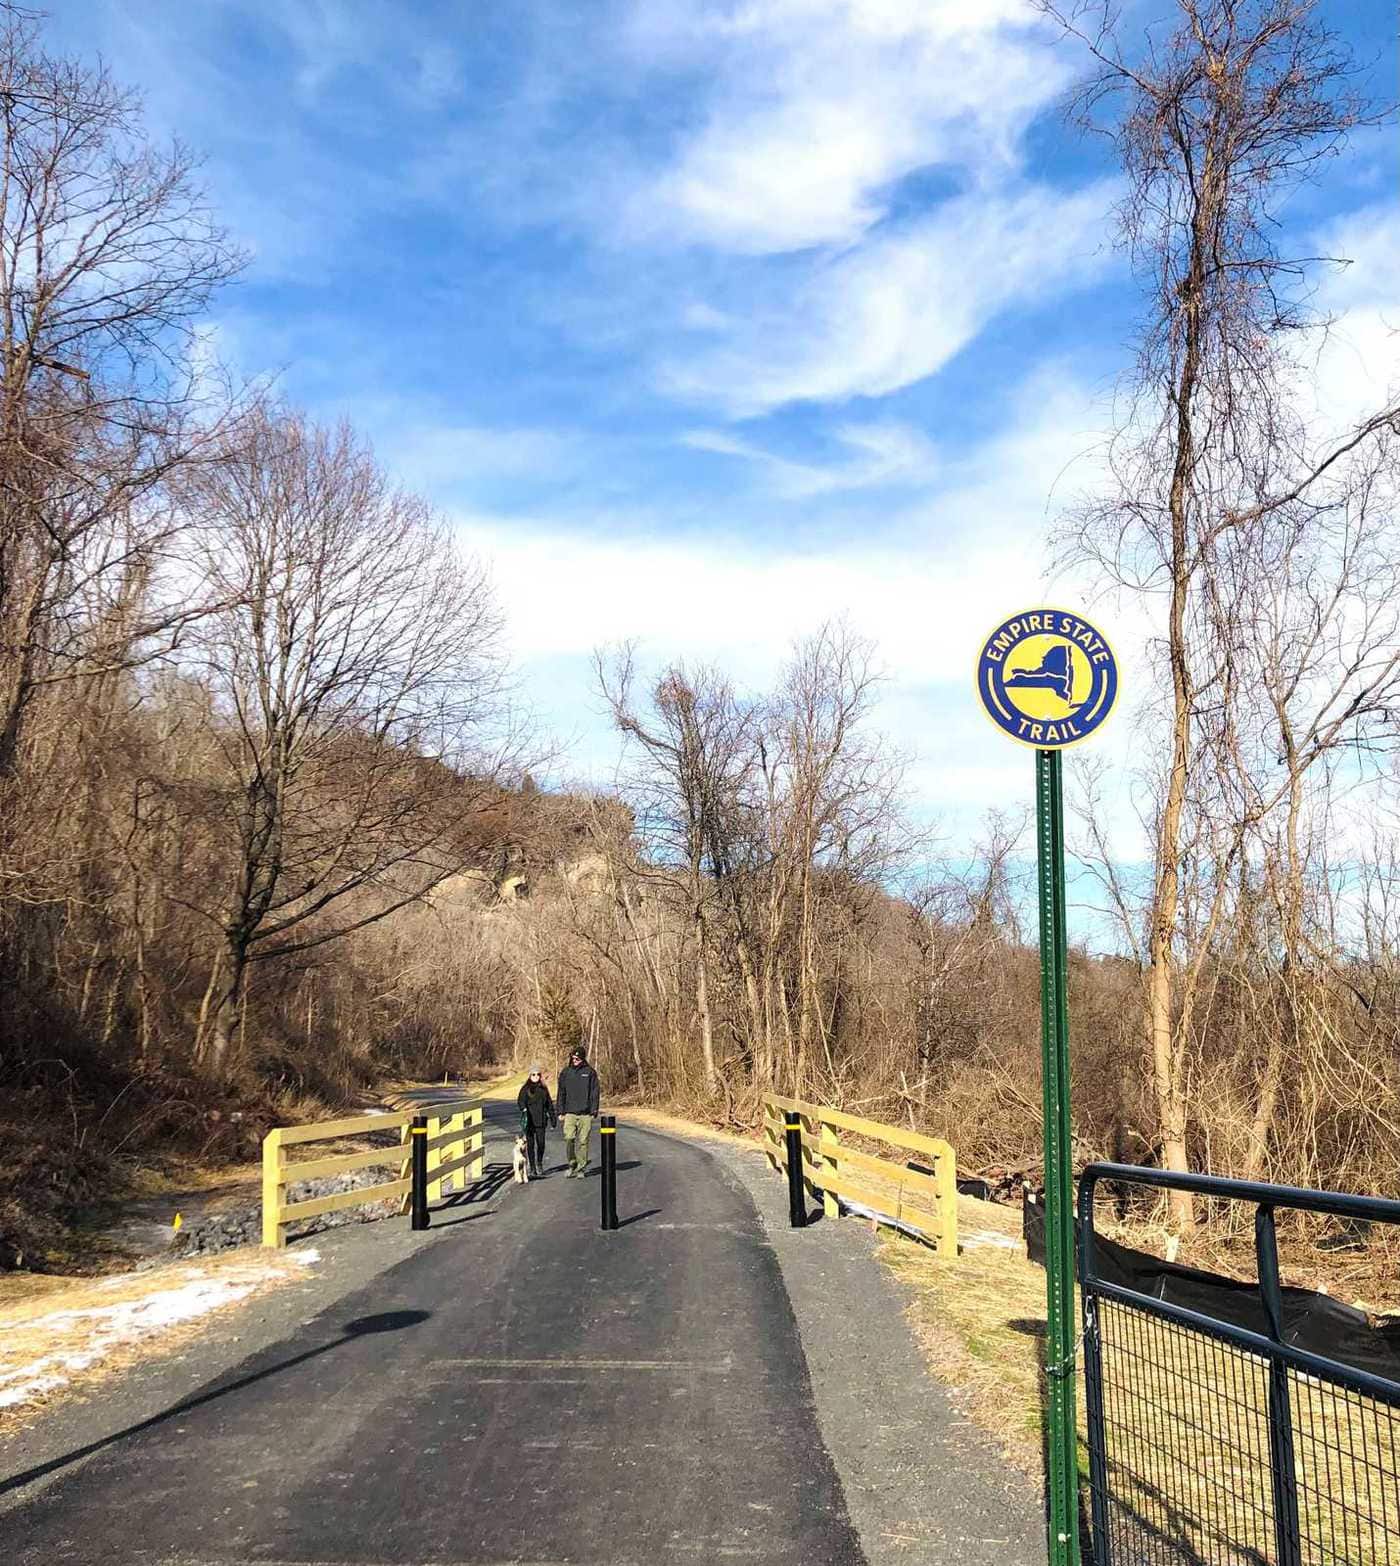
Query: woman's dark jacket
[536, 1105]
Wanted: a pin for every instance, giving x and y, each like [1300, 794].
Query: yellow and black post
[608, 1131]
[797, 1195]
[418, 1168]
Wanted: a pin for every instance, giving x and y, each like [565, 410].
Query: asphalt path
[527, 1389]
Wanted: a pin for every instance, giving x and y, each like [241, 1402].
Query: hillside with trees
[267, 834]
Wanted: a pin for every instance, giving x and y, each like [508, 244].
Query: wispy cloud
[875, 456]
[817, 108]
[926, 585]
[897, 308]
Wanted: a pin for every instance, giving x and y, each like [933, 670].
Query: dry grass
[1188, 1442]
[980, 1319]
[64, 1335]
[1188, 1418]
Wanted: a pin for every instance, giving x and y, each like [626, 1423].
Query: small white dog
[519, 1160]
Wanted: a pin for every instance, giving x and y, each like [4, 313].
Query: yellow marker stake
[178, 1221]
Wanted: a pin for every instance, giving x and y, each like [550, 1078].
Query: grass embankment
[980, 1319]
[1188, 1417]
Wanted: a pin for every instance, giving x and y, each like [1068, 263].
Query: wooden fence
[456, 1148]
[922, 1194]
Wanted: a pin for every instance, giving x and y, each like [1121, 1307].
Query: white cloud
[926, 589]
[818, 107]
[1367, 241]
[927, 609]
[929, 579]
[876, 455]
[898, 308]
[1357, 363]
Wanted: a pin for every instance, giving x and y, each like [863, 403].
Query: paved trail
[525, 1389]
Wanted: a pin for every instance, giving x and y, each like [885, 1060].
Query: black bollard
[797, 1195]
[418, 1169]
[608, 1132]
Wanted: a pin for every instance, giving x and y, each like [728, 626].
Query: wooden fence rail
[921, 1195]
[456, 1149]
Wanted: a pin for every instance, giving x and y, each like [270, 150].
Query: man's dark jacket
[578, 1090]
[536, 1105]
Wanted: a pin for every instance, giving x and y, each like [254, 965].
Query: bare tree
[780, 819]
[1318, 593]
[834, 795]
[357, 689]
[700, 745]
[107, 257]
[1213, 120]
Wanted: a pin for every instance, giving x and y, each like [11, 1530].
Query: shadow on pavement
[493, 1177]
[438, 1221]
[595, 1170]
[387, 1321]
[651, 1212]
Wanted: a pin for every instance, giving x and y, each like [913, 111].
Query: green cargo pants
[576, 1130]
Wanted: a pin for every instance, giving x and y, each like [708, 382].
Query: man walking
[576, 1103]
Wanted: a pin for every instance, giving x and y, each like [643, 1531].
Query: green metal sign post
[1063, 1456]
[1048, 679]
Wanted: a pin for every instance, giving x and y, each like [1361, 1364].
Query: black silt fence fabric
[1313, 1322]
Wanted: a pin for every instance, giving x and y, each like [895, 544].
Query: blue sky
[706, 321]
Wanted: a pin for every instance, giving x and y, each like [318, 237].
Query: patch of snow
[862, 1211]
[306, 1257]
[35, 1387]
[109, 1327]
[966, 1241]
[979, 1237]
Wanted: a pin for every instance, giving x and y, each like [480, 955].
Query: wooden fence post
[273, 1164]
[458, 1150]
[406, 1167]
[436, 1157]
[947, 1171]
[828, 1143]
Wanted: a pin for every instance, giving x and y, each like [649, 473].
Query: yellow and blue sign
[1048, 678]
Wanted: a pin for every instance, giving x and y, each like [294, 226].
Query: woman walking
[536, 1112]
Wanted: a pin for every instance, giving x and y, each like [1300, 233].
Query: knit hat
[535, 1070]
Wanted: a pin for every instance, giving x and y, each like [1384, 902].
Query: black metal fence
[1215, 1437]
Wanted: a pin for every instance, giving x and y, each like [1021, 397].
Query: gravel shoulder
[921, 1481]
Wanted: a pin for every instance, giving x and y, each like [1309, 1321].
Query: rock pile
[242, 1225]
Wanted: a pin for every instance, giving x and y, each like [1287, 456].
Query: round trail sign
[1048, 678]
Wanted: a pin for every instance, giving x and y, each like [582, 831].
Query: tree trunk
[227, 1010]
[1168, 1047]
[1261, 1128]
[702, 1001]
[636, 1045]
